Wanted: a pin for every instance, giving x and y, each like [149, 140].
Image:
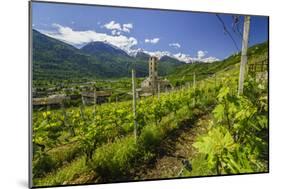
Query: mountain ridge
[96, 47]
[54, 59]
[57, 60]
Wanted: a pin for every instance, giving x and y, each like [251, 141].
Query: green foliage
[63, 175]
[47, 128]
[65, 154]
[114, 160]
[200, 167]
[43, 165]
[151, 136]
[217, 142]
[236, 142]
[101, 134]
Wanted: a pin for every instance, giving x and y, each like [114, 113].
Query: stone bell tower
[153, 74]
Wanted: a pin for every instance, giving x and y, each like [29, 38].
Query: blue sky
[185, 35]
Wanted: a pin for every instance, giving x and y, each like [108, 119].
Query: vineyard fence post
[95, 101]
[134, 103]
[244, 53]
[158, 87]
[194, 87]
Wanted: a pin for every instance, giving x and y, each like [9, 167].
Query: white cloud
[115, 32]
[79, 38]
[180, 56]
[175, 45]
[183, 57]
[158, 54]
[153, 41]
[127, 27]
[210, 59]
[201, 54]
[201, 57]
[112, 25]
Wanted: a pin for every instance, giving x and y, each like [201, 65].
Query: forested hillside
[56, 60]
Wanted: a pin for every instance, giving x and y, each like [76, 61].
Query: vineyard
[97, 144]
[123, 94]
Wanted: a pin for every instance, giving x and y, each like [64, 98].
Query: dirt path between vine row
[176, 147]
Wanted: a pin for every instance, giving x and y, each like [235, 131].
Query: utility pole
[134, 102]
[244, 54]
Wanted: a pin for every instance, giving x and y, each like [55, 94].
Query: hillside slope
[56, 60]
[184, 73]
[53, 59]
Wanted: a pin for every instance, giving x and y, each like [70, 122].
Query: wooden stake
[194, 87]
[215, 80]
[244, 54]
[158, 86]
[65, 120]
[134, 103]
[95, 101]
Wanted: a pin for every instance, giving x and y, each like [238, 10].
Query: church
[153, 83]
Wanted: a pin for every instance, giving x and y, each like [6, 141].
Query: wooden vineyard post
[158, 92]
[65, 120]
[95, 101]
[82, 108]
[215, 85]
[83, 100]
[206, 90]
[194, 87]
[134, 103]
[244, 54]
[82, 112]
[215, 80]
[188, 85]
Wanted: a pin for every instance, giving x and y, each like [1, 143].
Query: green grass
[114, 160]
[64, 174]
[65, 153]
